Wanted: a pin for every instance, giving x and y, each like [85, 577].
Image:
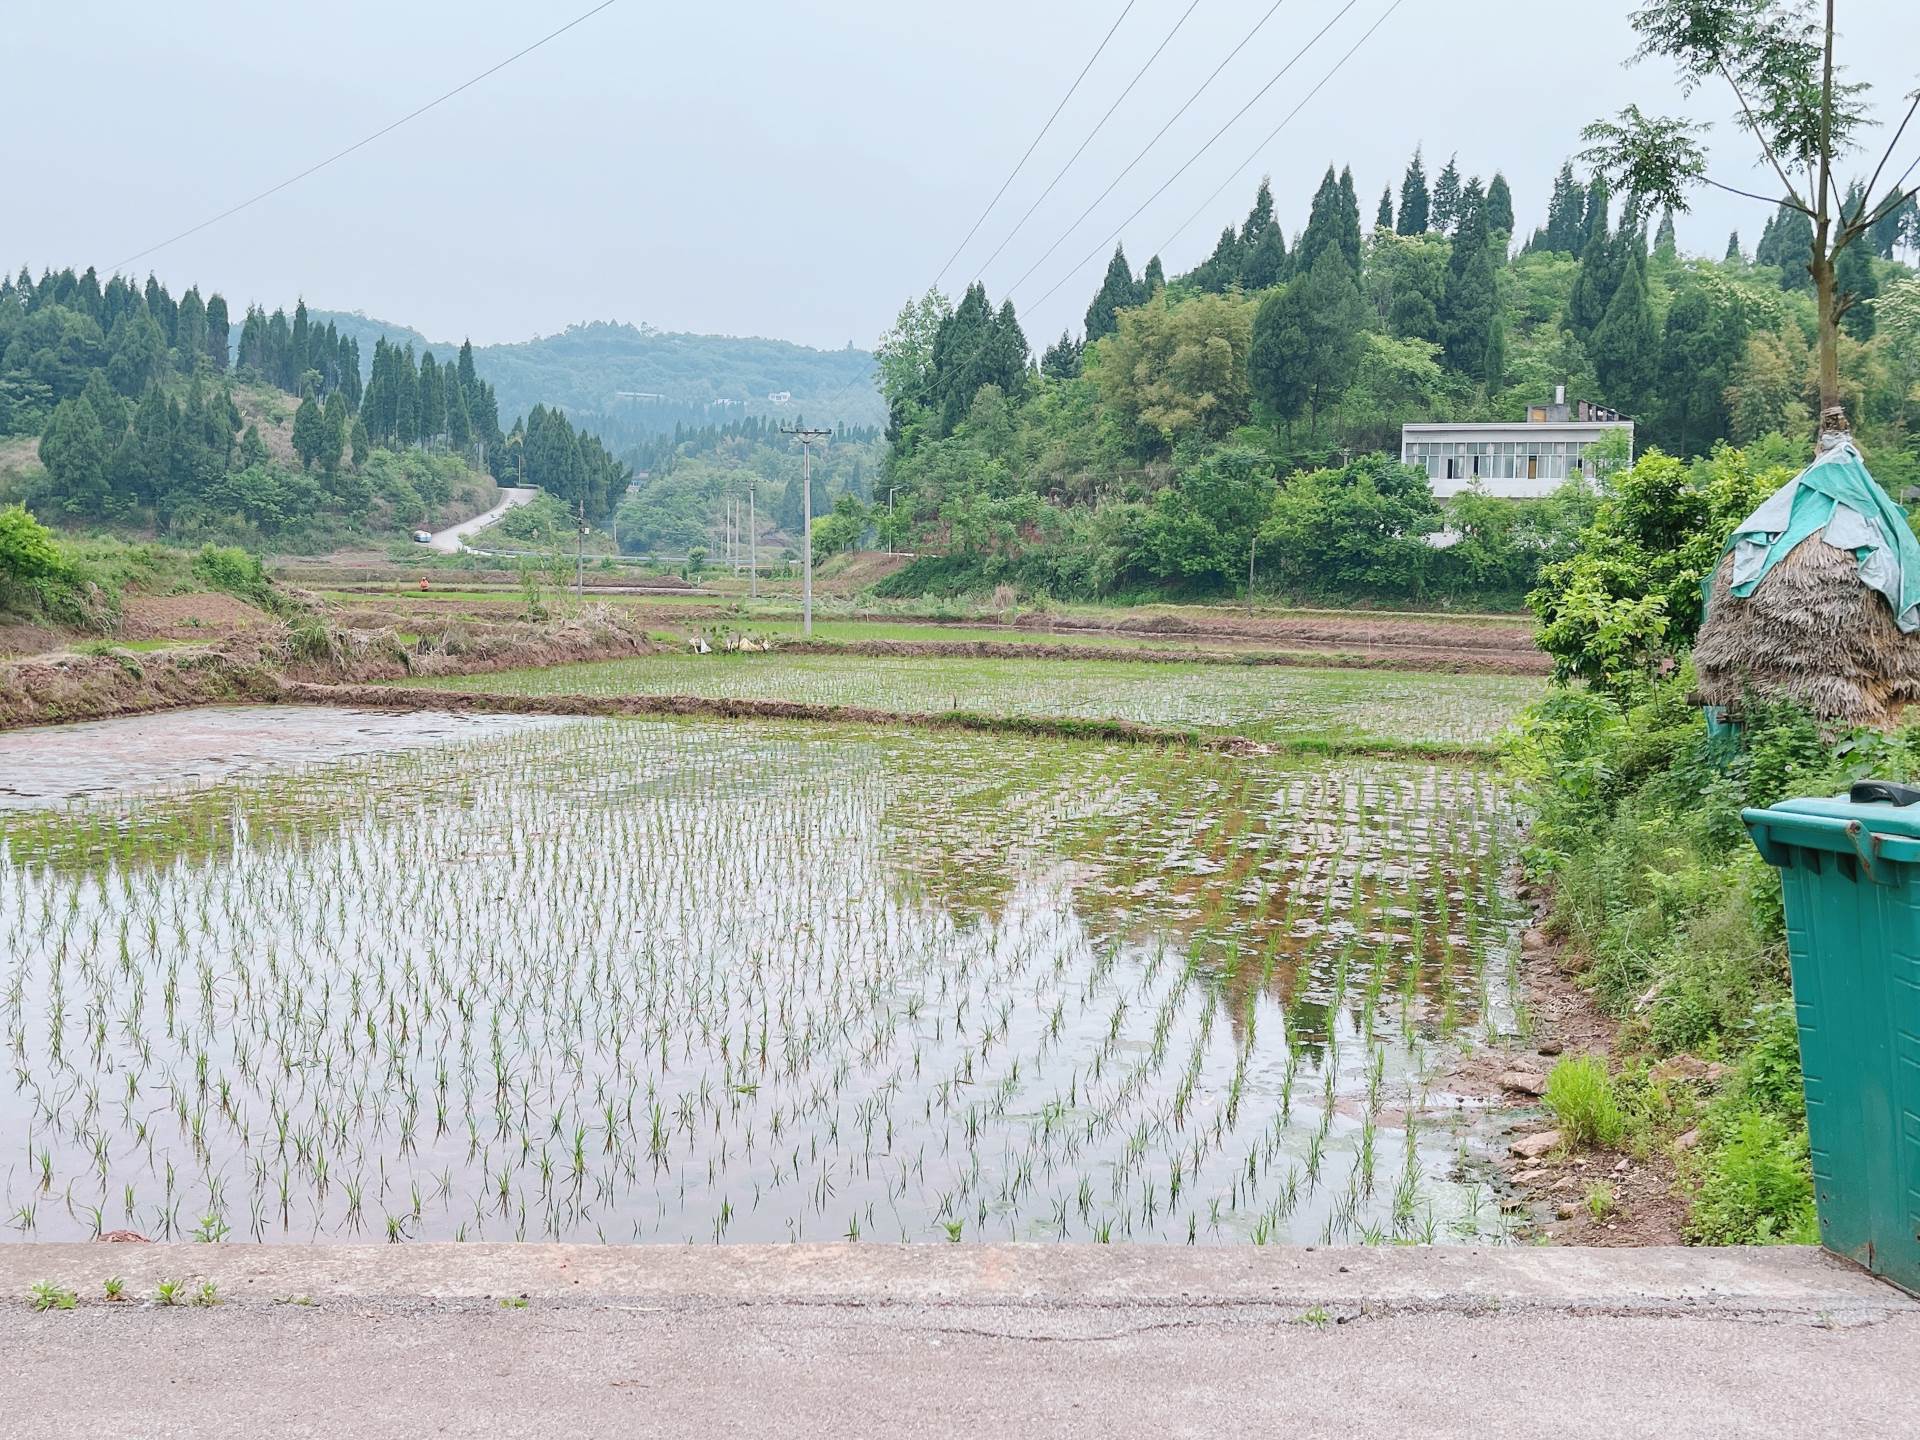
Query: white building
[1513, 462]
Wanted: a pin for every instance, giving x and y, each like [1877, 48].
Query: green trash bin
[1850, 871]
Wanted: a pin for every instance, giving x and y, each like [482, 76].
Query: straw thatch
[1810, 632]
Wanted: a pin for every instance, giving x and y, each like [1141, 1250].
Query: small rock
[1565, 1212]
[1532, 1147]
[1529, 1175]
[1688, 1140]
[1552, 1047]
[1524, 1082]
[124, 1237]
[1620, 1168]
[1533, 940]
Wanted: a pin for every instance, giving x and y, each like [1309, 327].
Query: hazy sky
[792, 169]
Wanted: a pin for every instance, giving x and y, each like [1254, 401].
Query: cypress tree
[1734, 252]
[1118, 291]
[1347, 218]
[1323, 225]
[218, 333]
[1446, 198]
[1853, 277]
[1260, 216]
[1154, 278]
[1414, 200]
[1265, 264]
[1625, 346]
[1594, 284]
[1383, 217]
[1666, 244]
[1307, 341]
[308, 424]
[1499, 203]
[1566, 229]
[1469, 310]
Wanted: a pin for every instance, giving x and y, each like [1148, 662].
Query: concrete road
[979, 1341]
[453, 540]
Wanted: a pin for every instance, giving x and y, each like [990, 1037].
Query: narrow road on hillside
[453, 540]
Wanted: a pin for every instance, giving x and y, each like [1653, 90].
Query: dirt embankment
[47, 689]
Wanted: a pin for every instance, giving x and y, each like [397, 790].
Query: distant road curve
[453, 541]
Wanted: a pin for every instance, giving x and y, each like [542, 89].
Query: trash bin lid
[1875, 821]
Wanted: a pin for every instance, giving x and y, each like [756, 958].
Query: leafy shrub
[28, 551]
[1580, 1094]
[1758, 1188]
[236, 571]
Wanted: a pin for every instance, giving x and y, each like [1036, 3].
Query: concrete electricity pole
[808, 439]
[753, 544]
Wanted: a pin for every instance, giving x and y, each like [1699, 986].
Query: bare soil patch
[188, 617]
[1648, 1203]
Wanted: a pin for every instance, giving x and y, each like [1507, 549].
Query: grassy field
[1275, 704]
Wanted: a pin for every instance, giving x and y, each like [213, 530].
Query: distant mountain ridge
[628, 381]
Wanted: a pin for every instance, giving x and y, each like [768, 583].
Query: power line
[1030, 149]
[981, 268]
[1195, 156]
[360, 144]
[1095, 252]
[1282, 125]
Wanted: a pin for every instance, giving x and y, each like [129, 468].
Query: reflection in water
[681, 981]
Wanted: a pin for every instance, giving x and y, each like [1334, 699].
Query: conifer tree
[1118, 291]
[1625, 346]
[1415, 203]
[1596, 280]
[218, 332]
[1470, 322]
[1307, 341]
[1853, 275]
[308, 428]
[1566, 229]
[1446, 198]
[1265, 263]
[1734, 252]
[1383, 217]
[1154, 277]
[1499, 203]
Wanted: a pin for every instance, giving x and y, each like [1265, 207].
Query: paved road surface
[453, 540]
[976, 1341]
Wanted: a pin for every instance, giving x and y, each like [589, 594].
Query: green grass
[1282, 705]
[1580, 1094]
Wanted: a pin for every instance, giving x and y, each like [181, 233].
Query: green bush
[1580, 1094]
[236, 571]
[1758, 1187]
[28, 551]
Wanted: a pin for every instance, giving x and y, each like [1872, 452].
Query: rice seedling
[682, 981]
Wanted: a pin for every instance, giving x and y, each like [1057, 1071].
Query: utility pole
[893, 539]
[808, 439]
[580, 554]
[753, 543]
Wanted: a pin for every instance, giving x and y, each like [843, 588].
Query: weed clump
[1580, 1094]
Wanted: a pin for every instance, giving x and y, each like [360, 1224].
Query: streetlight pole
[808, 439]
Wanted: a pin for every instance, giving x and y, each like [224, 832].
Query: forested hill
[629, 382]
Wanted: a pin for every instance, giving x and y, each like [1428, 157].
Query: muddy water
[687, 982]
[181, 748]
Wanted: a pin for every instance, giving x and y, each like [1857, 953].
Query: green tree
[28, 551]
[1779, 57]
[1383, 217]
[1172, 369]
[1855, 283]
[1566, 229]
[309, 430]
[1446, 197]
[1499, 203]
[1625, 347]
[1415, 203]
[1471, 326]
[1306, 342]
[1357, 530]
[1118, 291]
[1705, 337]
[75, 452]
[1198, 530]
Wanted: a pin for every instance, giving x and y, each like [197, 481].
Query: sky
[793, 170]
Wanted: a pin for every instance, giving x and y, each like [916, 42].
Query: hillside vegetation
[628, 383]
[1245, 417]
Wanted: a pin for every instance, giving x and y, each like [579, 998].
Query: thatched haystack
[1811, 632]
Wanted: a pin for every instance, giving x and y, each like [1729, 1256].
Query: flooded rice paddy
[1263, 702]
[678, 981]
